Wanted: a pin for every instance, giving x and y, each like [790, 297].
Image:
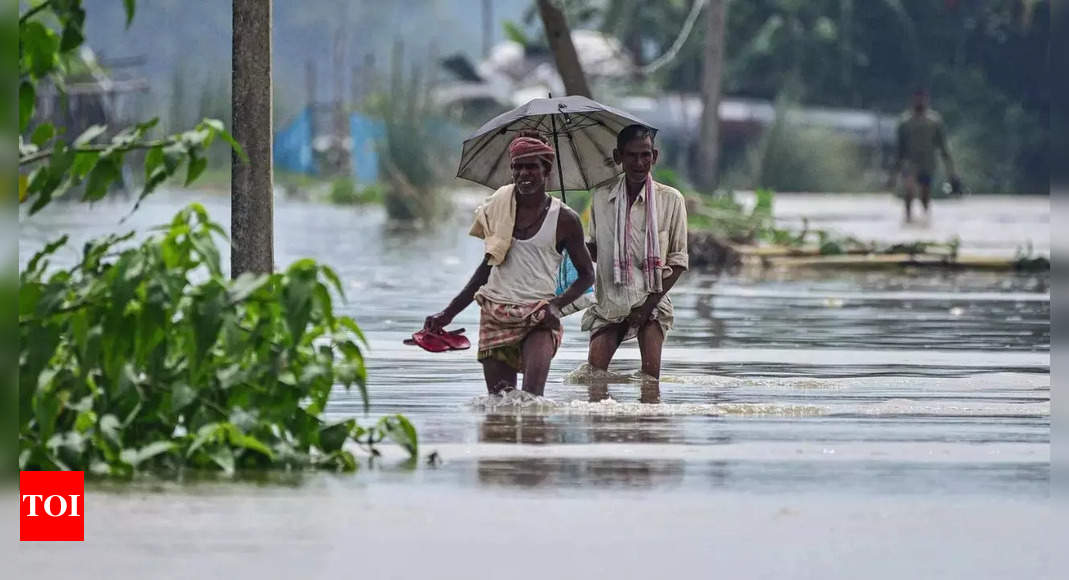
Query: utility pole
[251, 201]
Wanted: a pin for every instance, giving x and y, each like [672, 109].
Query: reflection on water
[571, 473]
[560, 430]
[596, 472]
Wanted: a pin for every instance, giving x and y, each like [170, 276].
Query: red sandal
[439, 342]
[455, 339]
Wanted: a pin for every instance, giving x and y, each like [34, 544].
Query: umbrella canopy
[582, 131]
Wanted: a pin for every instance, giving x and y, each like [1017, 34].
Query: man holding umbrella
[525, 232]
[638, 237]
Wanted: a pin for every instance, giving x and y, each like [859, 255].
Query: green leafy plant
[145, 356]
[128, 364]
[345, 191]
[670, 177]
[50, 164]
[578, 200]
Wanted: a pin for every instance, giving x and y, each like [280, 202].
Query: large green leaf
[49, 249]
[223, 456]
[85, 421]
[72, 38]
[84, 162]
[27, 98]
[243, 440]
[43, 134]
[207, 318]
[218, 127]
[38, 49]
[203, 245]
[129, 6]
[53, 179]
[332, 437]
[153, 160]
[245, 285]
[195, 168]
[104, 173]
[153, 449]
[401, 431]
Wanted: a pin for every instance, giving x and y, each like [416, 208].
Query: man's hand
[437, 322]
[639, 317]
[551, 316]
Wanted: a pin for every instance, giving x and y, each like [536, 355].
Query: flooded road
[808, 424]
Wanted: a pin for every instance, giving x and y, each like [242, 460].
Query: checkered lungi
[503, 328]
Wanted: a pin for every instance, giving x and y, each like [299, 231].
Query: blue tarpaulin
[293, 146]
[292, 149]
[366, 134]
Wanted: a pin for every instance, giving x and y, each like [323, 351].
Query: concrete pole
[251, 201]
[709, 142]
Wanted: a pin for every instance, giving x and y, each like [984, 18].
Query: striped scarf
[621, 265]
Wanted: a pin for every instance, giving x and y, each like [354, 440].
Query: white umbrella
[582, 131]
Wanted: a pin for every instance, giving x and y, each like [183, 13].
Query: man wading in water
[920, 135]
[525, 230]
[638, 236]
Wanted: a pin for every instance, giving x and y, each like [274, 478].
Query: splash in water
[586, 374]
[514, 400]
[520, 402]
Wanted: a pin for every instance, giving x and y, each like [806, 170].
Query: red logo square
[52, 506]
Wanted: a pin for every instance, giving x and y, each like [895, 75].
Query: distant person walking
[920, 135]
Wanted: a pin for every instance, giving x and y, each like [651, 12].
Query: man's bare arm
[592, 248]
[462, 300]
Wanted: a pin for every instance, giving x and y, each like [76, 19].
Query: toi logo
[51, 506]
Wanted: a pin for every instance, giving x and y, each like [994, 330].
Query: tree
[560, 42]
[713, 66]
[985, 62]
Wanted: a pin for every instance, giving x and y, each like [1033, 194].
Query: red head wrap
[522, 147]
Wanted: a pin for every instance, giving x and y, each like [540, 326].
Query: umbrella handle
[560, 170]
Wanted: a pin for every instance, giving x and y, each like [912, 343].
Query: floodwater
[808, 424]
